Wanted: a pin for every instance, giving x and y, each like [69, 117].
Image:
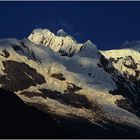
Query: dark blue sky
[107, 24]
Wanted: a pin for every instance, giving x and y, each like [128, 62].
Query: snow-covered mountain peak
[89, 44]
[61, 33]
[65, 45]
[39, 35]
[89, 49]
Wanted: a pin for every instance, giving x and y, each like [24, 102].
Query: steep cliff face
[126, 62]
[61, 77]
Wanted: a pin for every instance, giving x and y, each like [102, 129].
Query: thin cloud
[68, 27]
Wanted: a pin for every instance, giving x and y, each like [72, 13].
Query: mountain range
[68, 88]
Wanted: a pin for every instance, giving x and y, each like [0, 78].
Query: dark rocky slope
[17, 120]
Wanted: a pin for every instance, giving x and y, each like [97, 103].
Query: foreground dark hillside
[18, 120]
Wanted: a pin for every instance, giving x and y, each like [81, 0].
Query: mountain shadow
[17, 120]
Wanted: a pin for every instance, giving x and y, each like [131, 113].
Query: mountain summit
[76, 81]
[62, 33]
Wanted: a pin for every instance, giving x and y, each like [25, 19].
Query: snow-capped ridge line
[61, 42]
